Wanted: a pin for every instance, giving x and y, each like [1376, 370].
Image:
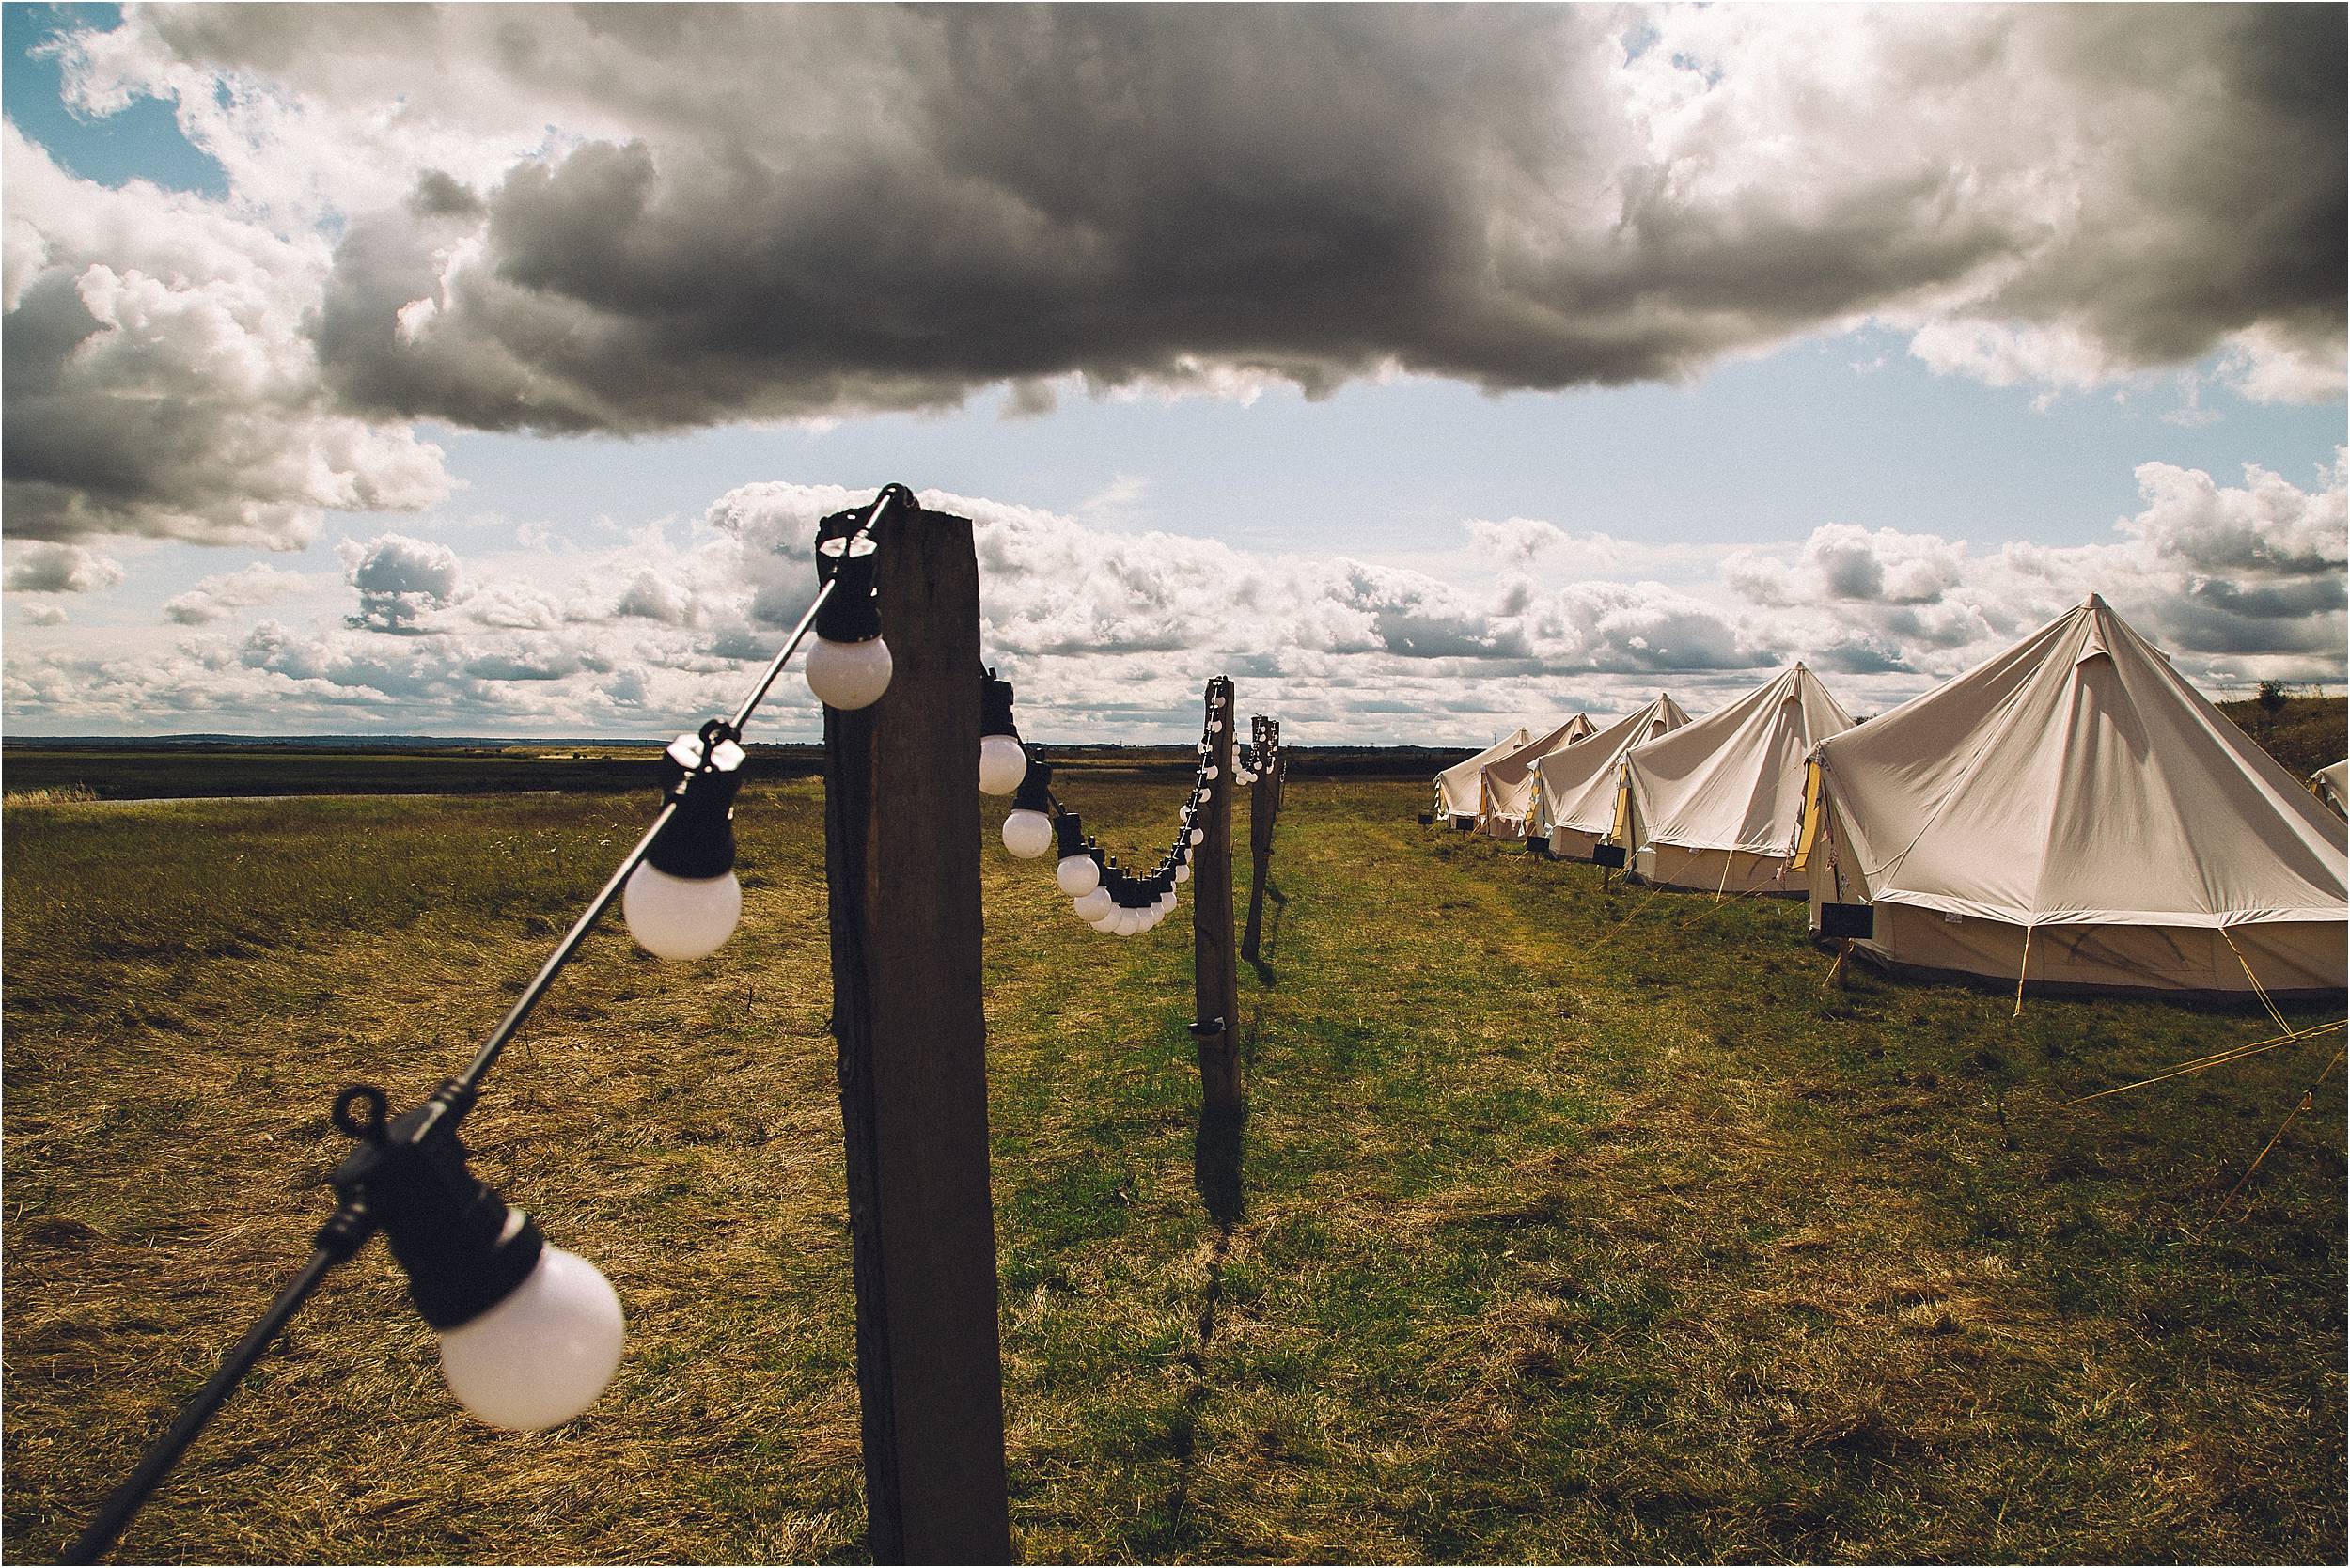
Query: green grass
[1575, 1227]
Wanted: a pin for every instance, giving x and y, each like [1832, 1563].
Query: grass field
[1575, 1227]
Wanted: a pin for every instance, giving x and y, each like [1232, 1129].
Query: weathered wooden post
[1217, 970]
[1280, 766]
[1264, 806]
[901, 862]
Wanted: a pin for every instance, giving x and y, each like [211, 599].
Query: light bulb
[680, 917]
[1215, 726]
[1182, 871]
[1002, 764]
[1092, 906]
[1077, 875]
[1108, 924]
[848, 675]
[1199, 835]
[1028, 834]
[542, 1355]
[1205, 796]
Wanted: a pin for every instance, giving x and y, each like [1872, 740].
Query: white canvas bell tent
[2331, 784]
[2074, 812]
[1716, 804]
[1507, 783]
[1457, 786]
[1574, 789]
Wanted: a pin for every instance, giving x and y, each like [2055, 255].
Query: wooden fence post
[901, 862]
[1265, 807]
[1216, 969]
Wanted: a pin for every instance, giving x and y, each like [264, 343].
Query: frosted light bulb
[1077, 875]
[1215, 726]
[1028, 834]
[848, 675]
[1199, 835]
[1211, 770]
[1108, 924]
[1183, 872]
[680, 917]
[1002, 764]
[1093, 905]
[542, 1355]
[1205, 796]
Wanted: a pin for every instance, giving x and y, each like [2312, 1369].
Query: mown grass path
[1568, 1227]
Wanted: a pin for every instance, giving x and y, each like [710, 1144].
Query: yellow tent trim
[1813, 780]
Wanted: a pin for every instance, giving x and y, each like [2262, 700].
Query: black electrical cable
[351, 1226]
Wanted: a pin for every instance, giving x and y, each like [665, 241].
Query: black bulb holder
[463, 1249]
[1036, 788]
[996, 706]
[1069, 836]
[850, 614]
[700, 776]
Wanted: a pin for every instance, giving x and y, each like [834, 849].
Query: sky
[484, 370]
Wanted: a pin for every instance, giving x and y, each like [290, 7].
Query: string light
[1076, 873]
[1003, 761]
[1029, 828]
[683, 902]
[530, 1334]
[849, 667]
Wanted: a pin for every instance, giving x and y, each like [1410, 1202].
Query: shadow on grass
[1262, 960]
[1216, 1170]
[1216, 1163]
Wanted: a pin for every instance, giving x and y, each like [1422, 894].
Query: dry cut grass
[1568, 1227]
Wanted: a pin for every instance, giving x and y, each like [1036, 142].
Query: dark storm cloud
[787, 210]
[2227, 211]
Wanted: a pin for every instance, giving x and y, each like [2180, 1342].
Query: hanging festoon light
[849, 665]
[1003, 760]
[1029, 827]
[683, 901]
[530, 1334]
[1076, 872]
